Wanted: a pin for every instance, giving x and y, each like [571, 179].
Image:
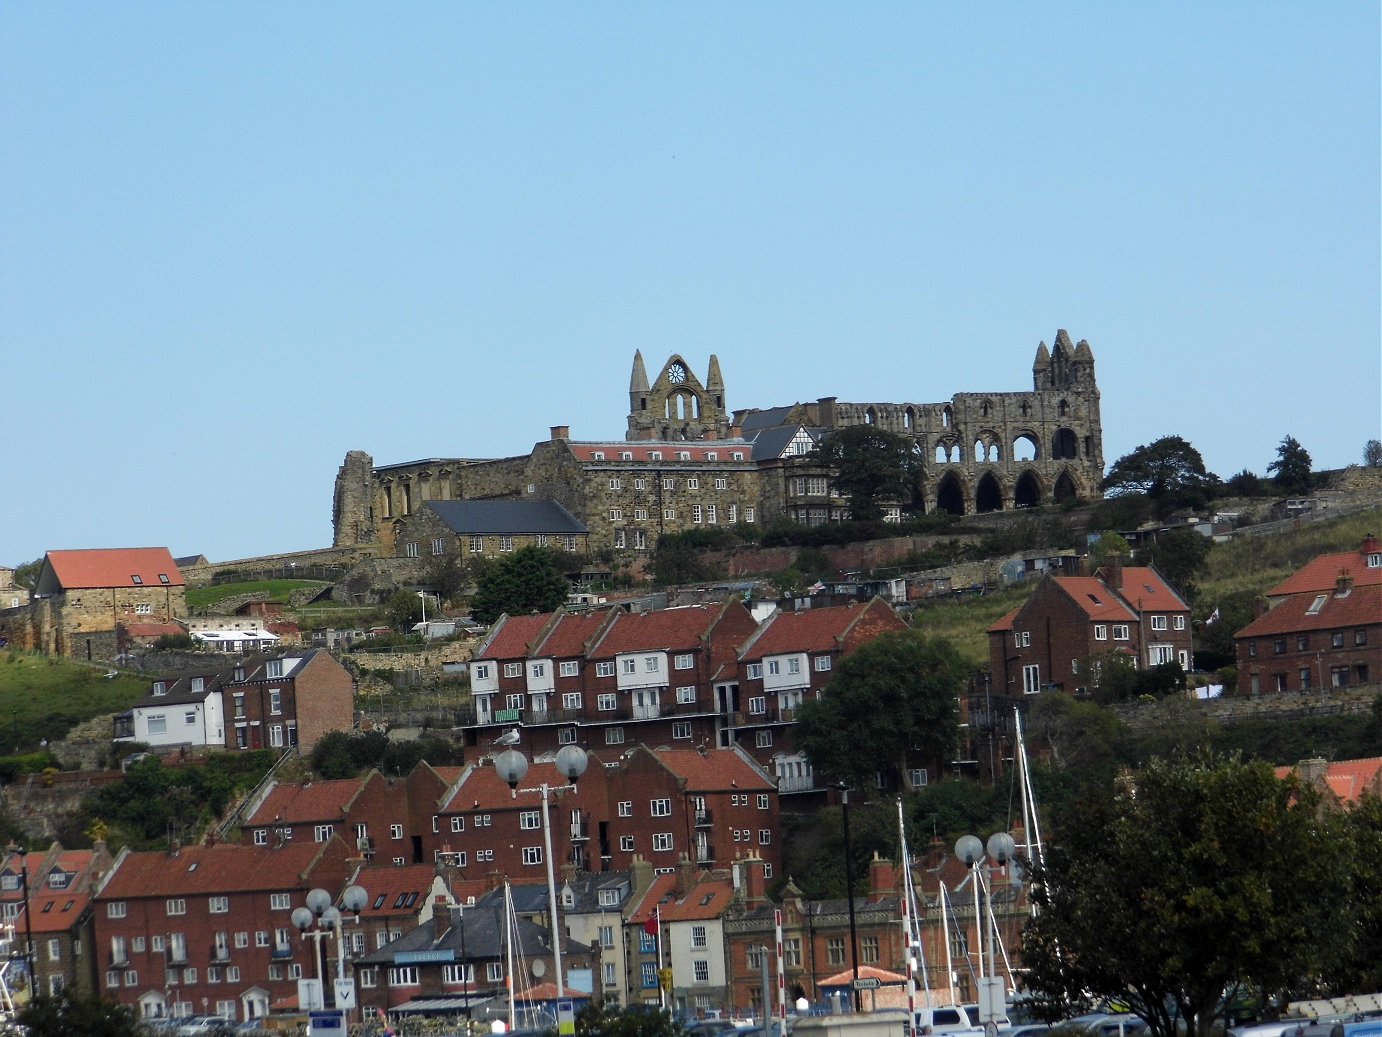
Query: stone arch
[1027, 492]
[870, 416]
[947, 416]
[985, 408]
[988, 495]
[988, 447]
[1064, 445]
[1026, 447]
[950, 494]
[1065, 488]
[948, 452]
[1063, 408]
[909, 419]
[683, 405]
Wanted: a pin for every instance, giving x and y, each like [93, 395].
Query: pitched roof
[1322, 573]
[810, 630]
[1097, 600]
[481, 785]
[476, 517]
[716, 450]
[1299, 613]
[206, 870]
[1005, 624]
[710, 894]
[396, 891]
[1348, 779]
[568, 637]
[110, 567]
[1147, 591]
[663, 630]
[512, 635]
[317, 801]
[715, 770]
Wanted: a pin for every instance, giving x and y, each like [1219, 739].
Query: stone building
[688, 461]
[488, 528]
[83, 600]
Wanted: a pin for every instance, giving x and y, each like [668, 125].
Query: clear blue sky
[240, 239]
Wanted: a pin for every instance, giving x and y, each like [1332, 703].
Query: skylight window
[138, 581]
[162, 577]
[1317, 604]
[1095, 599]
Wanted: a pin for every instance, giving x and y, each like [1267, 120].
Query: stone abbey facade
[687, 461]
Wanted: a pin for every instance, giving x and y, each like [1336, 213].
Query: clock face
[676, 374]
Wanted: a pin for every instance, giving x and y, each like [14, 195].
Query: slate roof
[767, 418]
[772, 443]
[206, 870]
[478, 934]
[1361, 607]
[108, 567]
[179, 692]
[478, 517]
[642, 451]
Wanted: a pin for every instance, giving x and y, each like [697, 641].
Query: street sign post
[867, 983]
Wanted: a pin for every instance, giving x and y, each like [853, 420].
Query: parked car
[206, 1026]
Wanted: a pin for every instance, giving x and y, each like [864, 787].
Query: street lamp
[328, 919]
[857, 996]
[571, 762]
[1001, 849]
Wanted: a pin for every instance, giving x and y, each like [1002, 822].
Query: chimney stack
[882, 878]
[560, 432]
[441, 917]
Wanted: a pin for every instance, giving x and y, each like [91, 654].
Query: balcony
[647, 712]
[705, 853]
[705, 818]
[281, 952]
[796, 783]
[787, 715]
[580, 829]
[220, 955]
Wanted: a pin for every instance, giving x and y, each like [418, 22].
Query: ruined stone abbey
[687, 460]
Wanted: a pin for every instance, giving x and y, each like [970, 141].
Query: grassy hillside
[963, 621]
[275, 590]
[42, 697]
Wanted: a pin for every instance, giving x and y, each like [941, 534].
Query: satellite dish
[539, 967]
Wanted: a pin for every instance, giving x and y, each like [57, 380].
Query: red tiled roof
[386, 884]
[114, 567]
[718, 770]
[1322, 573]
[319, 801]
[722, 450]
[1095, 597]
[1359, 608]
[204, 870]
[1348, 779]
[567, 640]
[708, 897]
[514, 635]
[1146, 591]
[811, 630]
[483, 786]
[55, 910]
[666, 629]
[883, 976]
[1006, 623]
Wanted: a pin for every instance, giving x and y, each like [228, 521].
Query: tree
[1169, 471]
[870, 466]
[1292, 466]
[1244, 484]
[1186, 881]
[446, 577]
[529, 580]
[896, 694]
[1108, 545]
[608, 1019]
[404, 608]
[1372, 453]
[1181, 556]
[26, 575]
[68, 1013]
[1215, 647]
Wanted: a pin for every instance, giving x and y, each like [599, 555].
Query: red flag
[650, 926]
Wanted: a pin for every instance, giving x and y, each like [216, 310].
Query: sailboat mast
[508, 952]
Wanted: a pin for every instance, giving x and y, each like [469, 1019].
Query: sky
[238, 240]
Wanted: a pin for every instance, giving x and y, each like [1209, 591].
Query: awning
[448, 1004]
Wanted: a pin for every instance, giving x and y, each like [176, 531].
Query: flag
[651, 925]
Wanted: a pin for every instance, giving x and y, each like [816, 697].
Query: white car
[205, 1026]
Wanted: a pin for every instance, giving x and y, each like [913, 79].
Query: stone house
[1071, 625]
[82, 599]
[12, 596]
[488, 528]
[208, 928]
[1322, 627]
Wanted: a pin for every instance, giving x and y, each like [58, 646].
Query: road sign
[867, 983]
[345, 994]
[326, 1024]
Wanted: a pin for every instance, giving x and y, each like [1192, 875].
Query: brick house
[83, 598]
[1061, 636]
[400, 899]
[790, 659]
[208, 928]
[60, 883]
[606, 680]
[683, 912]
[1313, 640]
[488, 528]
[287, 699]
[359, 810]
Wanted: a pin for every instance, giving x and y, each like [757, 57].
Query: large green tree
[1169, 471]
[529, 580]
[1187, 881]
[1292, 467]
[896, 695]
[1181, 556]
[870, 467]
[69, 1013]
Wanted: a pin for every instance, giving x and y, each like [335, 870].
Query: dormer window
[712, 456]
[1375, 560]
[160, 687]
[598, 455]
[655, 455]
[626, 455]
[273, 668]
[198, 683]
[683, 455]
[239, 674]
[737, 455]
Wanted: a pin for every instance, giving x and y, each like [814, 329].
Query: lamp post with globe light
[326, 916]
[1001, 849]
[571, 762]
